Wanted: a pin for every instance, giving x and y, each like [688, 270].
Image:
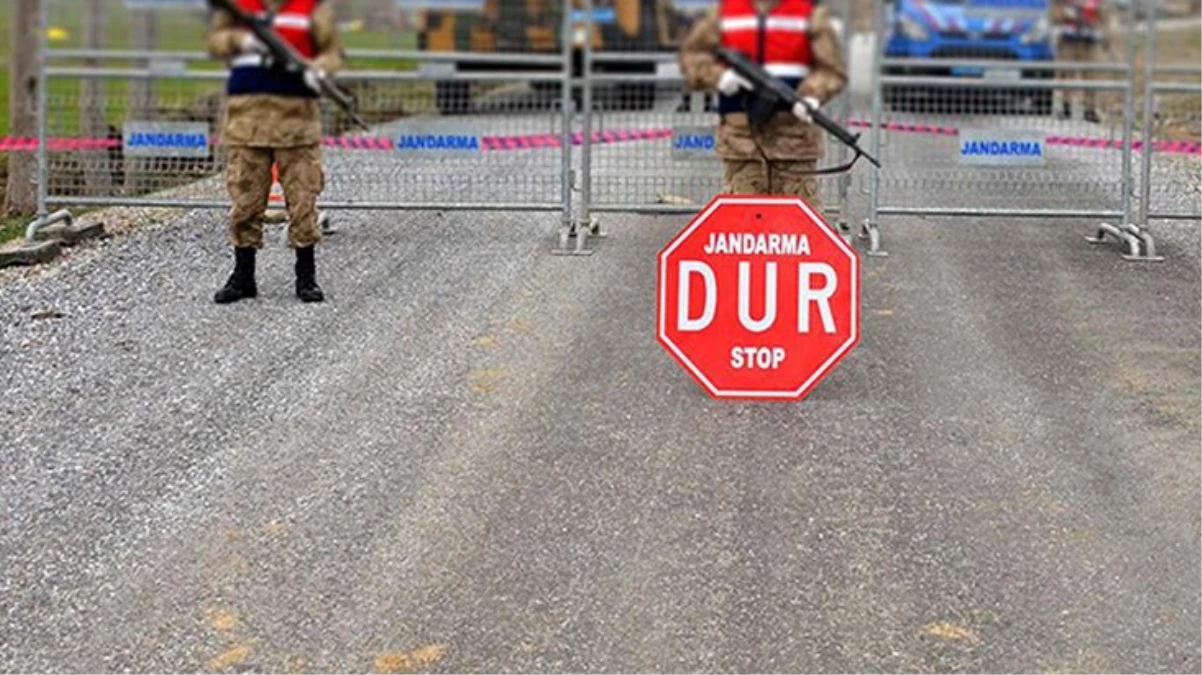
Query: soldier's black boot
[306, 276]
[1066, 112]
[1091, 115]
[241, 283]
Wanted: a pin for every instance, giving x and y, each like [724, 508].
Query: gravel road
[475, 457]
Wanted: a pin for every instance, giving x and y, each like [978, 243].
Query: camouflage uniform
[262, 129]
[1082, 43]
[780, 156]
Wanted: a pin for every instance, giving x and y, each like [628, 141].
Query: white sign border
[852, 340]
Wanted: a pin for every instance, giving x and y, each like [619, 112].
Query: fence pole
[871, 224]
[584, 227]
[1145, 185]
[844, 114]
[43, 104]
[566, 112]
[1129, 113]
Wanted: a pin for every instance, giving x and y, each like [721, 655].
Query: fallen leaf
[950, 631]
[399, 662]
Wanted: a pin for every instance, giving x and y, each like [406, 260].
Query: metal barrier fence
[1170, 182]
[983, 134]
[675, 169]
[141, 128]
[505, 125]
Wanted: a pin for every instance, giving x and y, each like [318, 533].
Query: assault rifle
[771, 91]
[286, 56]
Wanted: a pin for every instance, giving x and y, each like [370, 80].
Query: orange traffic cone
[275, 212]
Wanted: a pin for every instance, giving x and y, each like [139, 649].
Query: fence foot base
[845, 231]
[62, 216]
[870, 231]
[574, 230]
[38, 253]
[1147, 243]
[1121, 234]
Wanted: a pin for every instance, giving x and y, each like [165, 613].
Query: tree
[20, 195]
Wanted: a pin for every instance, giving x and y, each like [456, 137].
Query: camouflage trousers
[1082, 52]
[248, 179]
[759, 177]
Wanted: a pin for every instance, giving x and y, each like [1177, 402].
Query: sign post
[758, 298]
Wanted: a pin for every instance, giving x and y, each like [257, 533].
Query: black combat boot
[1091, 115]
[241, 283]
[306, 272]
[1066, 112]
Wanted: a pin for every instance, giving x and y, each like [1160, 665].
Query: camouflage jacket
[268, 121]
[784, 137]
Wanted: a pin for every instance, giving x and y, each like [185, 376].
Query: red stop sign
[758, 298]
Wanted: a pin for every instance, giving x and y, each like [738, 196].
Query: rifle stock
[287, 56]
[768, 85]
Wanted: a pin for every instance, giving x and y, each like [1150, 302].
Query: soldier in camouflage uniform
[796, 42]
[1082, 31]
[273, 116]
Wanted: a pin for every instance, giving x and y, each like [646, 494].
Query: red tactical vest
[294, 22]
[781, 42]
[1090, 11]
[1088, 21]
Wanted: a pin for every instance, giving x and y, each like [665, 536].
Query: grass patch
[12, 228]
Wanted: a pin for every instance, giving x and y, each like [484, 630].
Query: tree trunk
[20, 195]
[97, 174]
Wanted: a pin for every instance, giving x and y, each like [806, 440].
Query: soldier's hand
[314, 78]
[731, 82]
[802, 110]
[250, 44]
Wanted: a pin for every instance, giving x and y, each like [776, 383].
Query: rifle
[286, 55]
[772, 90]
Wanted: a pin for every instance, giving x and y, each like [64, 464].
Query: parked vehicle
[945, 34]
[525, 26]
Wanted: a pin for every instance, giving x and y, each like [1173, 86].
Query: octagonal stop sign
[758, 298]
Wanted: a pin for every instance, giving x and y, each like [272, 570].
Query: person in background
[1082, 35]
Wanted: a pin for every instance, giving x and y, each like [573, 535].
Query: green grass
[12, 228]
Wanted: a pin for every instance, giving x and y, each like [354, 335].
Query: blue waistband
[257, 80]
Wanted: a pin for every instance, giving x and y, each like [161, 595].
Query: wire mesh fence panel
[504, 148]
[653, 143]
[122, 118]
[989, 123]
[1172, 149]
[141, 134]
[965, 147]
[479, 124]
[668, 155]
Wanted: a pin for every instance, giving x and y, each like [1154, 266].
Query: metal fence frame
[1125, 83]
[47, 71]
[1153, 90]
[1128, 224]
[588, 224]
